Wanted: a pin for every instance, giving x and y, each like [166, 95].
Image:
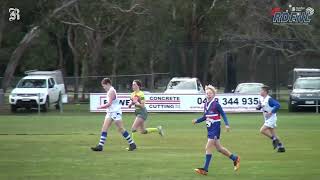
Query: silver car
[248, 88]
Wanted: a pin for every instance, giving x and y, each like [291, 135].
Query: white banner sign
[159, 102]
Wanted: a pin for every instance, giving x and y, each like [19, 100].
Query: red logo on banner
[275, 10]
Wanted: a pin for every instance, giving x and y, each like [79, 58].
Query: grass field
[54, 146]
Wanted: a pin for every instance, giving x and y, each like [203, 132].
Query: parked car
[184, 85]
[305, 93]
[42, 88]
[302, 72]
[248, 88]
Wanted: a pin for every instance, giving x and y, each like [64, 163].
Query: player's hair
[106, 81]
[265, 88]
[212, 88]
[138, 82]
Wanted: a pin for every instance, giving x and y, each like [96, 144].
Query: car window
[182, 85]
[248, 88]
[32, 83]
[199, 86]
[52, 81]
[307, 84]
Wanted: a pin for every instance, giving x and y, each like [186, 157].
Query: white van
[184, 85]
[42, 88]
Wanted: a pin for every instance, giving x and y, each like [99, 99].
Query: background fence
[79, 88]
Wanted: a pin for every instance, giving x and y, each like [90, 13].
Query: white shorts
[116, 116]
[271, 122]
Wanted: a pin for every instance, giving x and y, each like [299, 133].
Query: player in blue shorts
[212, 113]
[269, 107]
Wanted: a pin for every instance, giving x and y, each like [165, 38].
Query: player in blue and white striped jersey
[269, 107]
[114, 114]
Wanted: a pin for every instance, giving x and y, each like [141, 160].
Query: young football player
[114, 114]
[212, 113]
[138, 100]
[269, 107]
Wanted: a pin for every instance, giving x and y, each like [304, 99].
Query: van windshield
[307, 84]
[248, 88]
[32, 83]
[182, 85]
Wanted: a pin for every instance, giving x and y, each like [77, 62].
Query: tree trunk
[259, 56]
[97, 55]
[116, 54]
[115, 65]
[60, 63]
[251, 63]
[72, 42]
[183, 61]
[2, 23]
[84, 76]
[195, 59]
[254, 59]
[151, 66]
[194, 39]
[206, 61]
[17, 54]
[95, 66]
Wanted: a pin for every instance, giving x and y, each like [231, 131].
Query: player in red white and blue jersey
[212, 115]
[269, 107]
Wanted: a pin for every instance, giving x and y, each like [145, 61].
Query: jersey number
[208, 123]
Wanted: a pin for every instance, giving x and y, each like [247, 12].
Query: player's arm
[259, 107]
[274, 104]
[223, 114]
[141, 103]
[131, 100]
[111, 98]
[131, 103]
[199, 120]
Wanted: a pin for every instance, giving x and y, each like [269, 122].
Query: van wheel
[13, 108]
[58, 102]
[291, 108]
[45, 107]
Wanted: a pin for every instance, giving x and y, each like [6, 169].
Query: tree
[100, 21]
[25, 43]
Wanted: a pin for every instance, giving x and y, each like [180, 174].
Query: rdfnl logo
[292, 15]
[14, 14]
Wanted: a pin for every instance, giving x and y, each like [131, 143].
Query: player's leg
[142, 117]
[227, 153]
[276, 141]
[143, 129]
[125, 134]
[265, 130]
[146, 130]
[137, 124]
[104, 132]
[209, 149]
[268, 129]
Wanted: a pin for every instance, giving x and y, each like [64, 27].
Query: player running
[212, 112]
[138, 100]
[114, 113]
[269, 107]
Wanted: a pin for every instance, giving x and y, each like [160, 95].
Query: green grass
[55, 146]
